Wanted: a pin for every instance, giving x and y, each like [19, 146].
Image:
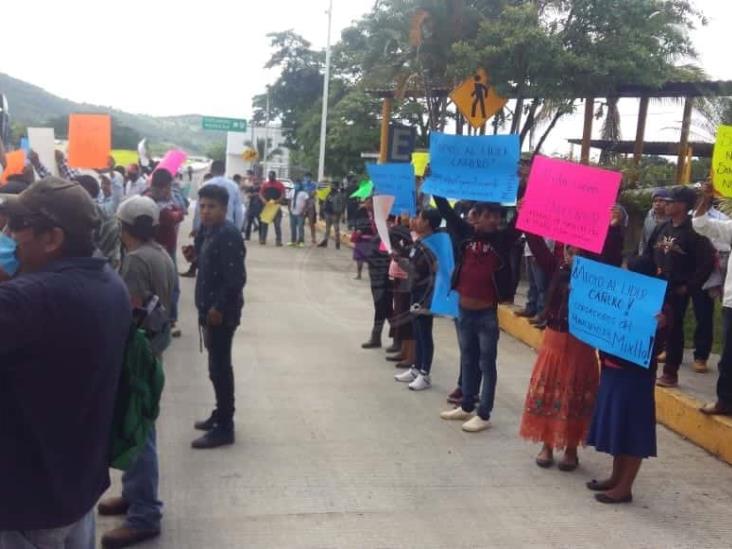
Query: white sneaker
[476, 425]
[407, 377]
[456, 414]
[421, 383]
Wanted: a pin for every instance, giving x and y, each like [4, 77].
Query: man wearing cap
[656, 215]
[64, 320]
[685, 259]
[148, 271]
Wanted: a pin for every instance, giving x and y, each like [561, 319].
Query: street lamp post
[326, 89]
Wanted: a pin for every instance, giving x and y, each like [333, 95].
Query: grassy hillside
[30, 105]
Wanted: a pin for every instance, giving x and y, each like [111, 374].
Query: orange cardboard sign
[90, 140]
[15, 163]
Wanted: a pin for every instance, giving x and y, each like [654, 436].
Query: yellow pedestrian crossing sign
[477, 100]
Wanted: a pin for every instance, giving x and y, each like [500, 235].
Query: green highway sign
[224, 124]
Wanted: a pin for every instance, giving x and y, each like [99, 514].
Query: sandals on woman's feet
[604, 498]
[567, 466]
[544, 463]
[597, 486]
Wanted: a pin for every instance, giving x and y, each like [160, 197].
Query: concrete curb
[674, 409]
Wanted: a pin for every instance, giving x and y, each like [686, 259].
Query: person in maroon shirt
[272, 190]
[171, 215]
[166, 233]
[561, 395]
[483, 279]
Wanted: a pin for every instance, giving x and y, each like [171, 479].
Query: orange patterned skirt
[562, 390]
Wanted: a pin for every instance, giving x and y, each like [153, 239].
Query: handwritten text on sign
[569, 202]
[483, 168]
[397, 180]
[722, 161]
[615, 310]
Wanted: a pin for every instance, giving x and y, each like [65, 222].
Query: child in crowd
[421, 267]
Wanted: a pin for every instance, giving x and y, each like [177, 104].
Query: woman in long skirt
[561, 396]
[624, 422]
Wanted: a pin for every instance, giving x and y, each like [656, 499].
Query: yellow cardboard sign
[249, 155]
[269, 212]
[420, 161]
[323, 193]
[477, 100]
[722, 161]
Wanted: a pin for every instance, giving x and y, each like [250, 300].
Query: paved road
[332, 452]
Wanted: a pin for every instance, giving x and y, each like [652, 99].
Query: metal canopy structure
[672, 89]
[705, 88]
[654, 148]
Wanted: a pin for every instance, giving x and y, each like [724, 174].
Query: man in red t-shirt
[483, 279]
[272, 190]
[171, 215]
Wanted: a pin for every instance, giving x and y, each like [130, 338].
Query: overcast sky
[162, 57]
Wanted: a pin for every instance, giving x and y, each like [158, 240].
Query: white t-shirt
[299, 202]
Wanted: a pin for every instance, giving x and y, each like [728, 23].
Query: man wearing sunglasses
[64, 320]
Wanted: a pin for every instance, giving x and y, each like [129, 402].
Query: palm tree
[610, 130]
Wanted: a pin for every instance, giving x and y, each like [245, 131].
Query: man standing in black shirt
[64, 321]
[220, 253]
[685, 259]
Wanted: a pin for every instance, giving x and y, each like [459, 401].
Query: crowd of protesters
[89, 295]
[89, 258]
[576, 396]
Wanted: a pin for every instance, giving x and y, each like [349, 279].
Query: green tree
[555, 50]
[217, 151]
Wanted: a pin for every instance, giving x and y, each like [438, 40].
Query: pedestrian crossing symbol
[477, 100]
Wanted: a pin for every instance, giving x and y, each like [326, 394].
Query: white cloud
[158, 57]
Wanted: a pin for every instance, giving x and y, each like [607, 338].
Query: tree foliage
[545, 52]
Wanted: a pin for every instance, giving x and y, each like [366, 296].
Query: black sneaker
[207, 424]
[216, 437]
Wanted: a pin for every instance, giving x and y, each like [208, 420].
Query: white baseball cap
[138, 206]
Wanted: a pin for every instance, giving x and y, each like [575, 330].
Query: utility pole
[326, 90]
[266, 140]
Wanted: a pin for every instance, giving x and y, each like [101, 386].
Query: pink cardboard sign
[569, 202]
[172, 161]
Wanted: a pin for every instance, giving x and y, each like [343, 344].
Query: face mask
[8, 261]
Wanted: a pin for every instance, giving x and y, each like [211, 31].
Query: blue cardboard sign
[483, 168]
[396, 180]
[615, 310]
[445, 301]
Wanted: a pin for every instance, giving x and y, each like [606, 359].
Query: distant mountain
[30, 105]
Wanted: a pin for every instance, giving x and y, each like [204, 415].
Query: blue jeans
[537, 286]
[297, 228]
[79, 535]
[140, 489]
[425, 346]
[478, 334]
